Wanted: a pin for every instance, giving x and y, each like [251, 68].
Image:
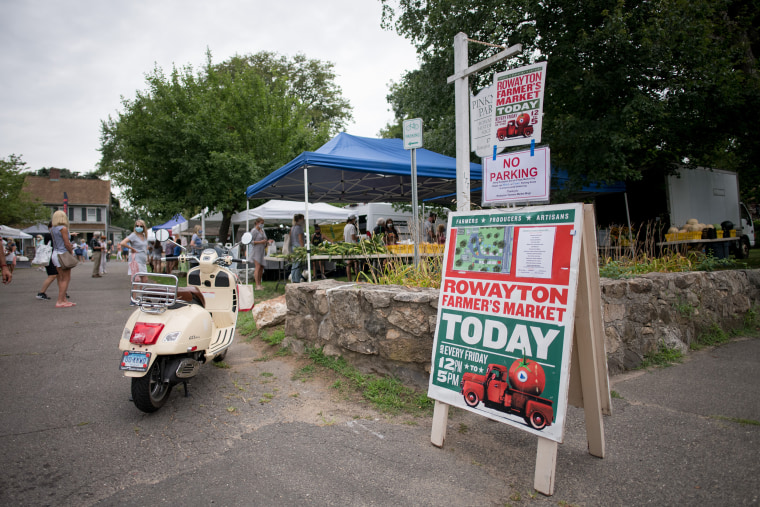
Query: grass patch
[714, 335]
[615, 395]
[661, 358]
[737, 420]
[274, 337]
[387, 394]
[221, 364]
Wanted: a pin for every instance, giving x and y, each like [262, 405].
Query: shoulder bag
[67, 260]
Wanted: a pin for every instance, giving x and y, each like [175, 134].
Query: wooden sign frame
[589, 380]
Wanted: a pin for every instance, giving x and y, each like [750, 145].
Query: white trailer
[369, 213]
[712, 197]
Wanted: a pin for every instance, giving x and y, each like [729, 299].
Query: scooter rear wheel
[149, 392]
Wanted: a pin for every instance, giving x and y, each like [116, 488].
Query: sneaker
[43, 296]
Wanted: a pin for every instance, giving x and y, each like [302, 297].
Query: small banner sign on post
[505, 319]
[481, 115]
[518, 112]
[517, 177]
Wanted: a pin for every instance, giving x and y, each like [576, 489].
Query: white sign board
[481, 114]
[517, 115]
[506, 315]
[517, 177]
[412, 134]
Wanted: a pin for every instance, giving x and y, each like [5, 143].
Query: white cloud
[66, 64]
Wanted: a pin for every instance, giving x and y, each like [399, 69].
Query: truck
[494, 391]
[521, 128]
[712, 197]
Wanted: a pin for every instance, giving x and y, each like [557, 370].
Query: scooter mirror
[162, 235]
[247, 238]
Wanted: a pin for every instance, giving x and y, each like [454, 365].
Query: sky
[66, 65]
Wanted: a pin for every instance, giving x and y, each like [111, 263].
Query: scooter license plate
[135, 361]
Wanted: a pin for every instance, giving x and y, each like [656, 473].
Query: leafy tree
[17, 207]
[195, 140]
[631, 85]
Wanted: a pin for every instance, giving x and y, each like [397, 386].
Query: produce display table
[284, 264]
[719, 245]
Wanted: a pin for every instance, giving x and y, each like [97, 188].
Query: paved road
[252, 435]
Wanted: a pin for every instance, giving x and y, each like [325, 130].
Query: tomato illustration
[527, 376]
[523, 119]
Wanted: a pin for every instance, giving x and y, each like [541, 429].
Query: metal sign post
[412, 141]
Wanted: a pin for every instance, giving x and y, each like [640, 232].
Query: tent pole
[247, 206]
[306, 238]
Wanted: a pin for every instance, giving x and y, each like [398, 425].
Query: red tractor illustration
[515, 392]
[522, 128]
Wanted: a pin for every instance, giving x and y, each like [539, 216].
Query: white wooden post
[462, 110]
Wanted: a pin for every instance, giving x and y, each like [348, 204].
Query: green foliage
[398, 271]
[631, 86]
[18, 207]
[194, 140]
[387, 394]
[274, 337]
[714, 335]
[662, 357]
[672, 262]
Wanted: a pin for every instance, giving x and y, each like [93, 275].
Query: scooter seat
[191, 294]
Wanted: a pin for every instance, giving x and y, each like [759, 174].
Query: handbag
[42, 255]
[245, 297]
[67, 260]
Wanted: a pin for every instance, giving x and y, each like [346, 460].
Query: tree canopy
[16, 206]
[195, 140]
[632, 85]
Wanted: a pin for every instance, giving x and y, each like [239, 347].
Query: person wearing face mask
[137, 244]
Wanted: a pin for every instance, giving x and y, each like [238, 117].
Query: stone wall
[389, 329]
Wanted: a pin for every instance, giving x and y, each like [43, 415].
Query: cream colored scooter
[176, 329]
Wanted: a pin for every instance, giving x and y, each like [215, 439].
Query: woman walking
[137, 244]
[61, 244]
[259, 244]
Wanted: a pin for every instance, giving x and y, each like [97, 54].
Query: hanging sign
[517, 177]
[519, 105]
[506, 313]
[481, 115]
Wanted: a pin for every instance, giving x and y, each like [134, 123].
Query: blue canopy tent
[360, 169]
[176, 220]
[352, 169]
[559, 181]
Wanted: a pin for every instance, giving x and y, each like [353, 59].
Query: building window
[92, 215]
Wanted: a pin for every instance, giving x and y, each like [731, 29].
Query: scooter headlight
[172, 337]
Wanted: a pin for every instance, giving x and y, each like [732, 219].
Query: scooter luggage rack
[154, 297]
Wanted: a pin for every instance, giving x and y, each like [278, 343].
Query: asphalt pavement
[253, 434]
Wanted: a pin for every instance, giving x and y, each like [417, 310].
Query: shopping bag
[245, 297]
[42, 255]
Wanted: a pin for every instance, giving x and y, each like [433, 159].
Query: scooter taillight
[145, 334]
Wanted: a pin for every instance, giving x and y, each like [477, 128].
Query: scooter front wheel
[149, 392]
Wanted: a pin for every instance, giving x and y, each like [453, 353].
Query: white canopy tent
[277, 211]
[10, 232]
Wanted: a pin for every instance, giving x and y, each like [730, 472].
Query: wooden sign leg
[440, 419]
[588, 338]
[546, 466]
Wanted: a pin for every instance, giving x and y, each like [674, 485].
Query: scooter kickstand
[184, 384]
